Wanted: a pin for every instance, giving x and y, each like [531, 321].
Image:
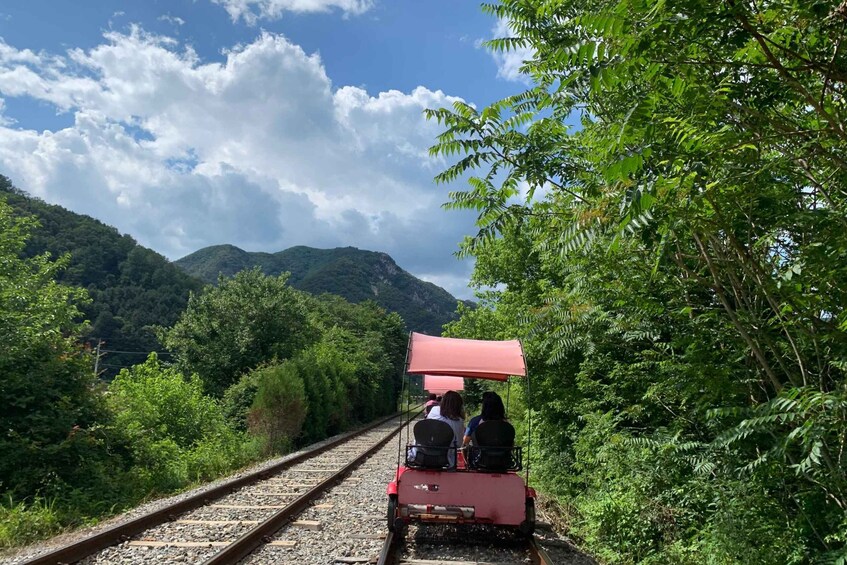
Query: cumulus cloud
[257, 149]
[254, 10]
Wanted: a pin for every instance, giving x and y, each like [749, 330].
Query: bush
[177, 435]
[280, 407]
[642, 501]
[325, 373]
[238, 399]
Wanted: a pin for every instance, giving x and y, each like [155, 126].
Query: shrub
[238, 399]
[280, 407]
[177, 434]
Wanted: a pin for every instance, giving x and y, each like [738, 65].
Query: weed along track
[267, 511]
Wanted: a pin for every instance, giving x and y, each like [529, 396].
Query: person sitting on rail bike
[492, 409]
[430, 403]
[493, 438]
[435, 411]
[451, 411]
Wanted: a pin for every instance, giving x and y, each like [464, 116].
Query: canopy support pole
[529, 426]
[404, 377]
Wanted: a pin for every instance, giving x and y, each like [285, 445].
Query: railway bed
[225, 522]
[344, 524]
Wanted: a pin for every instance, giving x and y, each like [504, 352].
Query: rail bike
[481, 484]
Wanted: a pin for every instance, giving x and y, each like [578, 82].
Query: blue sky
[260, 123]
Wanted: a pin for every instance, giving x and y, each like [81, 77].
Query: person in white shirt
[452, 411]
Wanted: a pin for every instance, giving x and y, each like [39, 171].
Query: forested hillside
[257, 368]
[355, 274]
[679, 271]
[132, 288]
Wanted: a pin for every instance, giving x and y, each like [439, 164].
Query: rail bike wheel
[527, 527]
[393, 519]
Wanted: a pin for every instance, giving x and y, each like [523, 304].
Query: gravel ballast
[347, 524]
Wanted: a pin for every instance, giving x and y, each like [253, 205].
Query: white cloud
[253, 10]
[509, 62]
[257, 149]
[12, 55]
[174, 20]
[4, 120]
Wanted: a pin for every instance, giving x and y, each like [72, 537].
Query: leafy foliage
[280, 407]
[673, 264]
[20, 523]
[50, 403]
[176, 434]
[234, 327]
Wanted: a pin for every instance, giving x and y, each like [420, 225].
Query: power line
[136, 352]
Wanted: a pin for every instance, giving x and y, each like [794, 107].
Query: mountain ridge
[355, 274]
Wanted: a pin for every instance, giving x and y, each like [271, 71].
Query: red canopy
[469, 358]
[438, 384]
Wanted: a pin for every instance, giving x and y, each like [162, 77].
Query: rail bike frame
[461, 495]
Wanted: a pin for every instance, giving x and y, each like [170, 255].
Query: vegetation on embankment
[259, 368]
[677, 271]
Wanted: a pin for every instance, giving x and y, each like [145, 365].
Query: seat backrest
[495, 433]
[494, 440]
[433, 439]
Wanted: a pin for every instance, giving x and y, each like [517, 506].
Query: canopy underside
[469, 358]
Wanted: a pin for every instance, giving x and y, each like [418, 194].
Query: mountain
[352, 273]
[132, 288]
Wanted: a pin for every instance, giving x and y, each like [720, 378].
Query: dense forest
[354, 274]
[677, 272]
[257, 368]
[131, 288]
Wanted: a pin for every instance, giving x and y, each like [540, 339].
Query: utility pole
[97, 358]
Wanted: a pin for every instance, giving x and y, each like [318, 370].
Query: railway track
[233, 520]
[463, 549]
[327, 506]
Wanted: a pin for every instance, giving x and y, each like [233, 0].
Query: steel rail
[123, 532]
[537, 553]
[390, 549]
[260, 535]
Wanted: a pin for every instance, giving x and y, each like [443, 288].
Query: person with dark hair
[492, 409]
[452, 412]
[430, 402]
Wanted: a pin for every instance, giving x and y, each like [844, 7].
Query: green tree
[50, 405]
[673, 264]
[239, 324]
[280, 406]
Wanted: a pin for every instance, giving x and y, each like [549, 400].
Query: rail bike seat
[433, 442]
[494, 447]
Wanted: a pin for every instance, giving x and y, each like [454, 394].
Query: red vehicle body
[469, 492]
